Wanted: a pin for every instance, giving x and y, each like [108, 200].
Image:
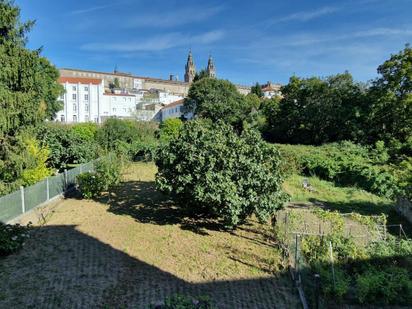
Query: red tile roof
[80, 80]
[173, 104]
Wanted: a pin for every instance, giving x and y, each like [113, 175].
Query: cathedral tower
[190, 69]
[211, 70]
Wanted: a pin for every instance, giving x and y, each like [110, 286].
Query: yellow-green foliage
[38, 169]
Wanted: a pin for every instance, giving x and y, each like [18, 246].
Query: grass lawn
[134, 248]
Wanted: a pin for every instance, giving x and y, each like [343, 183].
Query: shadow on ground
[141, 200]
[60, 267]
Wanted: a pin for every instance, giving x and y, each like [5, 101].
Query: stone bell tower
[211, 70]
[190, 71]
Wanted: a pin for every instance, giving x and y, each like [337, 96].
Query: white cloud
[92, 9]
[158, 43]
[309, 15]
[174, 18]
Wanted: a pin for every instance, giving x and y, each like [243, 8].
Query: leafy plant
[392, 285]
[12, 237]
[37, 169]
[107, 173]
[90, 184]
[169, 129]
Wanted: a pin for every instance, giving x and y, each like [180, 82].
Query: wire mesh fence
[16, 203]
[311, 253]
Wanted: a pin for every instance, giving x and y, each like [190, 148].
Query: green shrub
[337, 288]
[37, 170]
[86, 131]
[109, 169]
[12, 237]
[345, 163]
[184, 302]
[169, 129]
[391, 247]
[211, 170]
[90, 184]
[68, 144]
[392, 285]
[107, 173]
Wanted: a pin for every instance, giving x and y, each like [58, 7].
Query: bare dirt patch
[134, 248]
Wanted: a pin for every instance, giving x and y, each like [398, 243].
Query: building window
[86, 107]
[86, 97]
[86, 118]
[114, 109]
[114, 99]
[74, 97]
[74, 108]
[86, 88]
[74, 118]
[124, 109]
[74, 88]
[62, 118]
[96, 119]
[124, 99]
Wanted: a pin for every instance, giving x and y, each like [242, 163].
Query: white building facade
[84, 100]
[119, 105]
[172, 110]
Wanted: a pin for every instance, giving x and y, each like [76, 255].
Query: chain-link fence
[16, 203]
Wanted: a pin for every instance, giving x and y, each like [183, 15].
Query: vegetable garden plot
[357, 260]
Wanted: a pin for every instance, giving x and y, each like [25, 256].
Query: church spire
[211, 70]
[190, 70]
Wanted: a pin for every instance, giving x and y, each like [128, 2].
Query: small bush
[12, 237]
[90, 184]
[37, 169]
[169, 129]
[107, 173]
[392, 285]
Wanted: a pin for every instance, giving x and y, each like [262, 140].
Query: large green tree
[217, 99]
[316, 111]
[28, 91]
[257, 89]
[390, 116]
[214, 171]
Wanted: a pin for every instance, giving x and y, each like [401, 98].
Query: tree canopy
[216, 99]
[390, 116]
[316, 111]
[28, 91]
[212, 170]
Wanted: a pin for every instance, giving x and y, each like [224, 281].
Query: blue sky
[249, 40]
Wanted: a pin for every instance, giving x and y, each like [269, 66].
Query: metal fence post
[65, 180]
[317, 287]
[23, 206]
[333, 268]
[47, 189]
[297, 258]
[80, 168]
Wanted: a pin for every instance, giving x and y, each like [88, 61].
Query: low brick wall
[404, 207]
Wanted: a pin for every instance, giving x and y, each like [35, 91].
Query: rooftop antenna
[115, 68]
